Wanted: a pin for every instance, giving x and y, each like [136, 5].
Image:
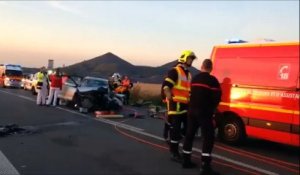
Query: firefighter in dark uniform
[204, 99]
[176, 88]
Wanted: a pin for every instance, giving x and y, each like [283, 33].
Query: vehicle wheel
[74, 102]
[232, 130]
[87, 103]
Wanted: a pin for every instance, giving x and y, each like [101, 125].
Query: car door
[69, 88]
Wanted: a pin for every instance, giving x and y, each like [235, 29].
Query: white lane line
[17, 95]
[140, 131]
[26, 98]
[114, 123]
[6, 167]
[215, 155]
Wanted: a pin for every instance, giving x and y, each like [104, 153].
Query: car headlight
[6, 79]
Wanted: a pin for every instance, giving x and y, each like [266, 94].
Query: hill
[109, 63]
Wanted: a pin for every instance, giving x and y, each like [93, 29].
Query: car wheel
[87, 103]
[232, 130]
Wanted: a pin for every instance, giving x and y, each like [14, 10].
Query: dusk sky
[148, 33]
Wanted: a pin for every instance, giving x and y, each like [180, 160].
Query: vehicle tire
[74, 102]
[232, 130]
[87, 103]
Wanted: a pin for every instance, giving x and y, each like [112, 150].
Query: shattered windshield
[94, 83]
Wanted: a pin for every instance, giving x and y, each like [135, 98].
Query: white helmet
[116, 75]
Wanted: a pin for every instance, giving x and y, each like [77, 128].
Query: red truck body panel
[260, 84]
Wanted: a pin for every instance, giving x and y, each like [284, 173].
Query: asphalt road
[63, 141]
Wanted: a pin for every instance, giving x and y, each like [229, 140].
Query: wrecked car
[90, 94]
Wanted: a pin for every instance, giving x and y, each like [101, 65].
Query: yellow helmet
[185, 54]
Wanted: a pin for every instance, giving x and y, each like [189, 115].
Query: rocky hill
[109, 63]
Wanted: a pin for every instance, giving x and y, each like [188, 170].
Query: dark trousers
[207, 133]
[166, 132]
[127, 95]
[176, 129]
[167, 127]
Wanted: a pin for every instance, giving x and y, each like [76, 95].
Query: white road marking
[114, 123]
[6, 167]
[140, 131]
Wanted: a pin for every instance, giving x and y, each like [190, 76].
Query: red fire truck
[260, 86]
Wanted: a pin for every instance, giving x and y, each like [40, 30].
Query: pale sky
[148, 33]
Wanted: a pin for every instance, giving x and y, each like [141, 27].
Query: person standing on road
[42, 87]
[176, 88]
[205, 97]
[126, 85]
[55, 87]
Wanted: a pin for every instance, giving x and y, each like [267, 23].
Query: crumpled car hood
[86, 89]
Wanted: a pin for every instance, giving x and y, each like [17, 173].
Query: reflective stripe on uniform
[174, 141]
[177, 112]
[205, 154]
[205, 86]
[177, 106]
[170, 80]
[186, 152]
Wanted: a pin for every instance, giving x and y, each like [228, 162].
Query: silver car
[74, 84]
[90, 93]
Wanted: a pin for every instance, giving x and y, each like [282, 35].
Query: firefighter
[176, 88]
[42, 84]
[126, 85]
[205, 97]
[116, 80]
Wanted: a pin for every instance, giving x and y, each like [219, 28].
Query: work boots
[207, 170]
[187, 163]
[175, 155]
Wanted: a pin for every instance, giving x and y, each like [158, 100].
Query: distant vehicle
[260, 86]
[90, 93]
[26, 76]
[10, 75]
[30, 83]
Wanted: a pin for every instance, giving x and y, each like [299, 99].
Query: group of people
[121, 85]
[191, 103]
[45, 82]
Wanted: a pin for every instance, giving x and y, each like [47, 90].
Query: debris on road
[156, 111]
[13, 129]
[107, 114]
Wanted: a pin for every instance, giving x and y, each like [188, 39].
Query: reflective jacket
[40, 77]
[181, 89]
[126, 83]
[178, 80]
